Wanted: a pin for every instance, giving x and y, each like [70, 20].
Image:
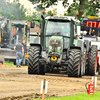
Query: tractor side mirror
[32, 24]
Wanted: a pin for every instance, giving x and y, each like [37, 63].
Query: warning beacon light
[51, 14]
[43, 11]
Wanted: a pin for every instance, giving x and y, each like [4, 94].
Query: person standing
[25, 51]
[19, 53]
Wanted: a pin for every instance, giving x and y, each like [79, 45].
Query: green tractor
[58, 48]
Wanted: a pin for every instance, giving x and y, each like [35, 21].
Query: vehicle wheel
[93, 60]
[99, 70]
[30, 61]
[33, 62]
[74, 63]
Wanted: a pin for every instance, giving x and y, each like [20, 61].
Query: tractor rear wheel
[74, 63]
[93, 60]
[33, 62]
[99, 70]
[30, 61]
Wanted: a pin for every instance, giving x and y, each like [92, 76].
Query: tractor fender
[79, 44]
[36, 45]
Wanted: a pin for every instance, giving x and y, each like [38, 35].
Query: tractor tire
[99, 70]
[33, 62]
[74, 63]
[93, 60]
[30, 61]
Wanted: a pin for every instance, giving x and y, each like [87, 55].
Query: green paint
[56, 37]
[75, 42]
[59, 38]
[59, 51]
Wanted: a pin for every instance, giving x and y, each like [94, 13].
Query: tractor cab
[19, 31]
[56, 32]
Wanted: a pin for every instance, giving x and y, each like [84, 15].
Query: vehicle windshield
[16, 33]
[58, 28]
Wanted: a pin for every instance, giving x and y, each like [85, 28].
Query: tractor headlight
[58, 48]
[50, 47]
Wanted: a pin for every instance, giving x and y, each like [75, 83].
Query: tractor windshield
[16, 33]
[58, 28]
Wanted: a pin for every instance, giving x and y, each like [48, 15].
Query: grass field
[7, 63]
[81, 96]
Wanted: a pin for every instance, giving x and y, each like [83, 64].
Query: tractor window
[58, 28]
[34, 39]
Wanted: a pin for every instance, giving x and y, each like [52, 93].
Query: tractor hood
[56, 44]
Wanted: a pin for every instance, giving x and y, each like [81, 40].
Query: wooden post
[43, 89]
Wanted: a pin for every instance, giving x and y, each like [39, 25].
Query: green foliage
[8, 63]
[54, 11]
[13, 10]
[86, 7]
[81, 96]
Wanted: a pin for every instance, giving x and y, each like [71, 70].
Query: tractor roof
[66, 18]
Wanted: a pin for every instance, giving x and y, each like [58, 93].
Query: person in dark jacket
[19, 53]
[25, 51]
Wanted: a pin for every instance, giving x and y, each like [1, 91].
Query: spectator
[91, 32]
[19, 53]
[25, 51]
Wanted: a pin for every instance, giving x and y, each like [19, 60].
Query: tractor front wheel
[34, 66]
[74, 63]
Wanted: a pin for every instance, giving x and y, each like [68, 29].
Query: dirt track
[16, 84]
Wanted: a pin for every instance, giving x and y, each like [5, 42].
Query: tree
[14, 10]
[87, 7]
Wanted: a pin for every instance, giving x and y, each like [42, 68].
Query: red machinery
[90, 89]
